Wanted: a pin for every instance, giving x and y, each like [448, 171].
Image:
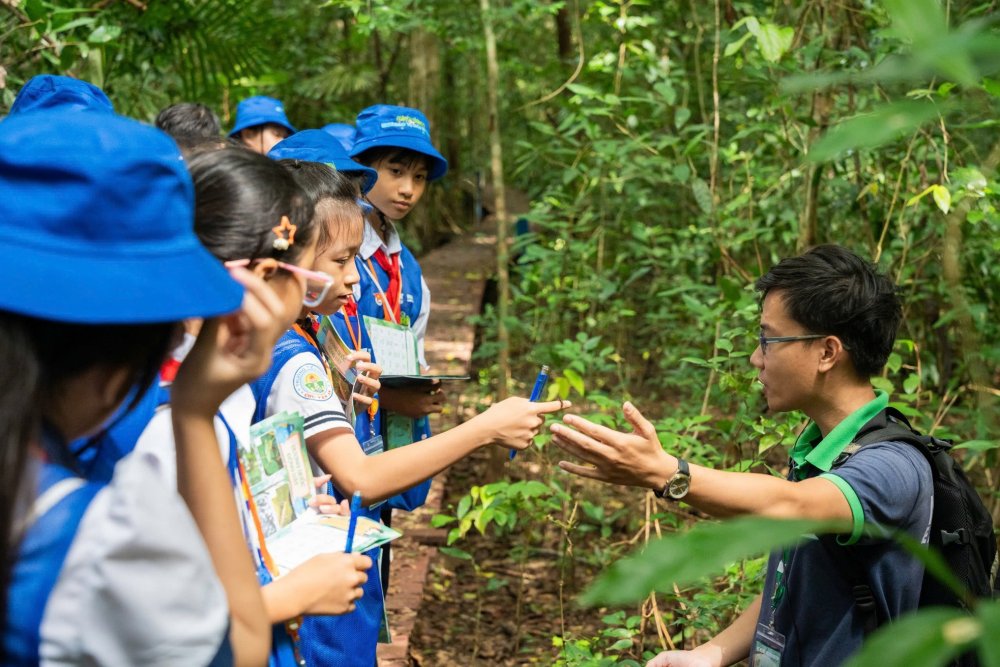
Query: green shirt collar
[821, 453]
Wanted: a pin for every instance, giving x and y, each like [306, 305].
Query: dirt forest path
[456, 274]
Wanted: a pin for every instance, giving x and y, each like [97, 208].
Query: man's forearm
[726, 494]
[733, 644]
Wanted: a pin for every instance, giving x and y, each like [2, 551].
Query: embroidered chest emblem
[310, 383]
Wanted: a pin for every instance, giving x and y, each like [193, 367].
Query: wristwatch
[679, 483]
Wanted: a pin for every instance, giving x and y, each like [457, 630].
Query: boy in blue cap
[396, 142]
[261, 123]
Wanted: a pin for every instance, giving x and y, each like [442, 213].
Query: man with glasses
[828, 323]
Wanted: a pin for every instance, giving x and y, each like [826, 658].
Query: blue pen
[353, 523]
[536, 393]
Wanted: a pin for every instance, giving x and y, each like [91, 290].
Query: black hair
[189, 123]
[37, 358]
[829, 290]
[239, 197]
[409, 158]
[334, 195]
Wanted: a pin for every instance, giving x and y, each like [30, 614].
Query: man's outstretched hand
[630, 459]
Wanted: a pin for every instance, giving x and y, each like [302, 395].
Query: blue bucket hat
[260, 110]
[97, 213]
[51, 91]
[398, 127]
[343, 133]
[318, 146]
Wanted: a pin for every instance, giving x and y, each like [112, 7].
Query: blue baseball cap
[97, 213]
[343, 133]
[318, 146]
[51, 91]
[398, 127]
[260, 110]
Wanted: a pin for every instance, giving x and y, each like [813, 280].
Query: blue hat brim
[318, 146]
[438, 166]
[122, 287]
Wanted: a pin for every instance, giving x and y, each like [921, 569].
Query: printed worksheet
[394, 345]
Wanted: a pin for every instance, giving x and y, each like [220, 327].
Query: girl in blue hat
[106, 267]
[249, 210]
[348, 452]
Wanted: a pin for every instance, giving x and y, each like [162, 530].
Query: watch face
[679, 486]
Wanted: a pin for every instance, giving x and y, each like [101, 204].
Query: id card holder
[371, 446]
[768, 646]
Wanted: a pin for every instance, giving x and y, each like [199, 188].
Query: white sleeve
[157, 443]
[137, 586]
[302, 386]
[420, 325]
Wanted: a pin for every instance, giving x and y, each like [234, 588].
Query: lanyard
[355, 338]
[356, 342]
[250, 515]
[779, 581]
[388, 312]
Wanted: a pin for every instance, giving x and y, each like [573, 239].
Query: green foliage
[501, 505]
[670, 155]
[688, 557]
[605, 649]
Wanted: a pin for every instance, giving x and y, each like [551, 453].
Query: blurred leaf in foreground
[706, 549]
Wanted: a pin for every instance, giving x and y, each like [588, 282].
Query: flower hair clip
[282, 242]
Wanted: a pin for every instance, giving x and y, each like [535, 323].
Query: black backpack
[961, 526]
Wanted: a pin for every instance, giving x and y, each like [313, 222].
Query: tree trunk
[425, 68]
[500, 206]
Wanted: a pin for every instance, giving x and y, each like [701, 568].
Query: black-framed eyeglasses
[764, 341]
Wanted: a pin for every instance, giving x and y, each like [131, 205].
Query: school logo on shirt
[310, 383]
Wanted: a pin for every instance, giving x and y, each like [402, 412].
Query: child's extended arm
[229, 352]
[509, 424]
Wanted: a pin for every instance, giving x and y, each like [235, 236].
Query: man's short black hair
[189, 123]
[830, 290]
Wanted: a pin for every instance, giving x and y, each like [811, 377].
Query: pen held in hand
[353, 523]
[536, 393]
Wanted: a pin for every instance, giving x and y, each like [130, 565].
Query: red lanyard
[390, 310]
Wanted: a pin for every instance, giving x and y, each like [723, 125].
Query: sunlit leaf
[928, 638]
[103, 34]
[774, 41]
[733, 47]
[941, 197]
[706, 549]
[886, 123]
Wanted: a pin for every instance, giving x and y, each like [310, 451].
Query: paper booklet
[337, 352]
[395, 348]
[281, 483]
